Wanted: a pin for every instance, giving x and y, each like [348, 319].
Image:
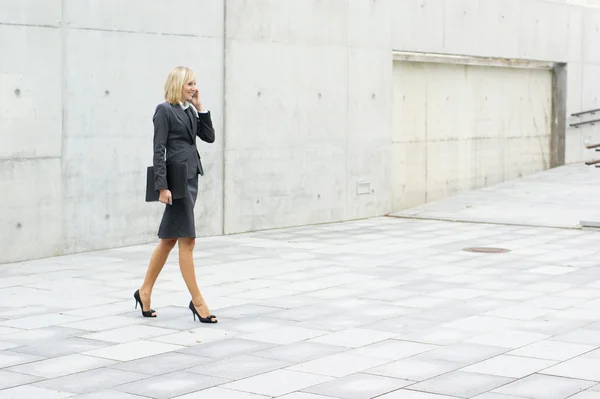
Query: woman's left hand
[196, 101]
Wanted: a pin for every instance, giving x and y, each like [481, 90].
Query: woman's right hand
[165, 197]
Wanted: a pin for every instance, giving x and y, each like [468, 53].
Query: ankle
[198, 303]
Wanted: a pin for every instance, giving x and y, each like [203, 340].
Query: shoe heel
[193, 310]
[209, 319]
[149, 313]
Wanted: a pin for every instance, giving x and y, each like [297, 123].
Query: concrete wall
[308, 112]
[300, 92]
[460, 127]
[558, 31]
[76, 139]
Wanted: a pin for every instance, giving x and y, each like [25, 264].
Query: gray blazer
[175, 132]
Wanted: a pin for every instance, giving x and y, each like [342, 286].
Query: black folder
[176, 180]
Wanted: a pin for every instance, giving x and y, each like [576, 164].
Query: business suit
[175, 132]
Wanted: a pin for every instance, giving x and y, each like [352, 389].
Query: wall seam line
[346, 155]
[63, 23]
[224, 120]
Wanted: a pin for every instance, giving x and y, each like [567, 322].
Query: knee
[187, 243]
[168, 243]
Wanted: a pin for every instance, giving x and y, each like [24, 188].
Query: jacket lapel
[180, 113]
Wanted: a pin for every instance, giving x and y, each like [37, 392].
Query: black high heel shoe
[147, 313]
[210, 319]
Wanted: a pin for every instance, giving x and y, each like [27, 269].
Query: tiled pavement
[389, 308]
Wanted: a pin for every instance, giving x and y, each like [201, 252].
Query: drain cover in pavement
[486, 250]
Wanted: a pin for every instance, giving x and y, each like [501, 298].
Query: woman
[177, 122]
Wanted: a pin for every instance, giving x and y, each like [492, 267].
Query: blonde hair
[177, 78]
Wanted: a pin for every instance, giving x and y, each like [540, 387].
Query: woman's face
[188, 91]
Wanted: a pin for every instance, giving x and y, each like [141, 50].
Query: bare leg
[157, 261]
[186, 264]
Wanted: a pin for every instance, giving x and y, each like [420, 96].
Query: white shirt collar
[188, 105]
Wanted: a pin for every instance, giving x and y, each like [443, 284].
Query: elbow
[208, 136]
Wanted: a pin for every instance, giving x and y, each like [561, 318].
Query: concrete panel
[368, 178]
[369, 94]
[108, 133]
[422, 16]
[369, 128]
[409, 103]
[262, 113]
[370, 23]
[300, 22]
[446, 119]
[573, 146]
[576, 29]
[180, 17]
[483, 28]
[526, 155]
[278, 145]
[31, 209]
[574, 89]
[31, 12]
[531, 29]
[444, 168]
[483, 164]
[590, 39]
[408, 174]
[590, 98]
[30, 92]
[544, 32]
[536, 89]
[585, 3]
[286, 186]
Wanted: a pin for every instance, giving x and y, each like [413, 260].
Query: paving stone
[583, 368]
[162, 364]
[170, 385]
[238, 367]
[463, 353]
[552, 350]
[414, 368]
[9, 379]
[26, 391]
[358, 386]
[132, 350]
[338, 365]
[461, 384]
[61, 347]
[510, 366]
[393, 349]
[227, 348]
[284, 335]
[61, 366]
[300, 352]
[221, 393]
[277, 383]
[10, 358]
[108, 394]
[90, 381]
[540, 386]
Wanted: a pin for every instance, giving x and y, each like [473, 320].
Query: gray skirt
[178, 219]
